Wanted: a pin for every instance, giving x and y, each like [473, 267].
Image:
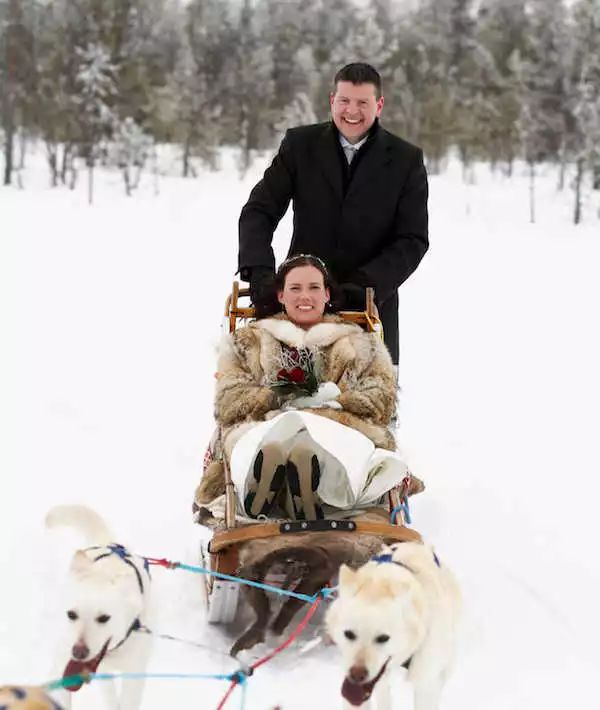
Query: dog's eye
[103, 618]
[350, 635]
[72, 615]
[382, 638]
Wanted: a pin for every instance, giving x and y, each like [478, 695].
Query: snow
[109, 318]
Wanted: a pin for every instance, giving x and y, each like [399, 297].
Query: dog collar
[135, 626]
[387, 557]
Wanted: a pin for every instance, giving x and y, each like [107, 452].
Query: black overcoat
[369, 226]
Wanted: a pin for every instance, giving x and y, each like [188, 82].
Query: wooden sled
[234, 549]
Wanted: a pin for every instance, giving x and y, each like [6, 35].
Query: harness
[386, 558]
[123, 554]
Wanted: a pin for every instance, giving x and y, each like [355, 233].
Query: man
[359, 197]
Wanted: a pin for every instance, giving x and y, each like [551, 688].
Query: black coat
[367, 222]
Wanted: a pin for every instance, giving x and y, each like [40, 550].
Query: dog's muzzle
[82, 668]
[357, 693]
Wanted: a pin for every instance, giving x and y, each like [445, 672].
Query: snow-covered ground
[109, 319]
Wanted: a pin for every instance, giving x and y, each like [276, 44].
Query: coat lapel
[329, 160]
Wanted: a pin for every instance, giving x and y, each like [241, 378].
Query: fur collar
[323, 334]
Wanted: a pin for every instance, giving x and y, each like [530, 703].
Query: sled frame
[368, 319]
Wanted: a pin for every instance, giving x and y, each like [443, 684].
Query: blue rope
[324, 593]
[78, 678]
[405, 509]
[243, 685]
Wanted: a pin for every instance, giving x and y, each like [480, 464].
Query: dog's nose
[358, 674]
[80, 651]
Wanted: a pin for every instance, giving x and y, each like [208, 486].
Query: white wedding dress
[354, 473]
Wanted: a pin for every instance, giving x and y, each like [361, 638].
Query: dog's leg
[108, 690]
[318, 572]
[259, 602]
[137, 659]
[427, 694]
[131, 694]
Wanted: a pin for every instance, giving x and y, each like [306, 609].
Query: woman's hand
[325, 396]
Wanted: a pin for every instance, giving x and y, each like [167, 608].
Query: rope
[80, 678]
[169, 564]
[241, 676]
[188, 642]
[405, 509]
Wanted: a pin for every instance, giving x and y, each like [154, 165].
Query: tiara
[297, 257]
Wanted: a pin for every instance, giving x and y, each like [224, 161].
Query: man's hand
[354, 297]
[262, 290]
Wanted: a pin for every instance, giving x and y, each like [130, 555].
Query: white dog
[400, 608]
[105, 615]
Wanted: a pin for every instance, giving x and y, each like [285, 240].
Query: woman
[303, 403]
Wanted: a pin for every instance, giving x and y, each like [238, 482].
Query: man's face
[354, 108]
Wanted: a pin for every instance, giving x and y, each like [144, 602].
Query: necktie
[350, 152]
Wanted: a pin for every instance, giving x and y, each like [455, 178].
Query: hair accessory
[298, 257]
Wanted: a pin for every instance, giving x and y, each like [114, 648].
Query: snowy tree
[254, 82]
[200, 80]
[17, 77]
[96, 88]
[130, 150]
[299, 112]
[584, 144]
[502, 28]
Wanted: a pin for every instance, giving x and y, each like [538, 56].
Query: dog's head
[103, 601]
[22, 698]
[378, 617]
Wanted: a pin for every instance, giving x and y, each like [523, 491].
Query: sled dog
[106, 610]
[399, 609]
[25, 698]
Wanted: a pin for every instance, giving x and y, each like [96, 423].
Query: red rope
[265, 659]
[221, 705]
[161, 562]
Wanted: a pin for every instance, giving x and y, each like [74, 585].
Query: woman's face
[304, 296]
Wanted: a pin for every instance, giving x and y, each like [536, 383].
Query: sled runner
[300, 555]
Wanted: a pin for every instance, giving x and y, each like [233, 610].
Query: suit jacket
[370, 228]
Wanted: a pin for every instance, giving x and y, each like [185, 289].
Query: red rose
[283, 375]
[297, 375]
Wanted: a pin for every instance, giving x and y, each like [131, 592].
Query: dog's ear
[347, 579]
[80, 562]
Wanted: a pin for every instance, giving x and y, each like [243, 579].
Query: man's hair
[359, 73]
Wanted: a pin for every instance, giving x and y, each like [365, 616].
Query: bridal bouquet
[298, 382]
[297, 377]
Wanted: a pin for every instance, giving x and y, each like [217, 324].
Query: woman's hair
[270, 305]
[300, 260]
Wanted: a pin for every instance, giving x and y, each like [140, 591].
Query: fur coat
[356, 361]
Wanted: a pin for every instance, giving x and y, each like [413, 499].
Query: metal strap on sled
[368, 318]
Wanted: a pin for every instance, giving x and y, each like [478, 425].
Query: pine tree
[96, 88]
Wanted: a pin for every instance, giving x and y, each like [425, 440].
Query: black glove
[354, 297]
[262, 291]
